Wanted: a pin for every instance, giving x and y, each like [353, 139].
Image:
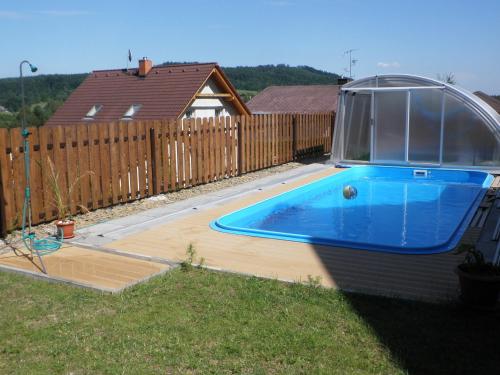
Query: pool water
[396, 209]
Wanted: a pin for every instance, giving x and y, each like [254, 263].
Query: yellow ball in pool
[349, 192]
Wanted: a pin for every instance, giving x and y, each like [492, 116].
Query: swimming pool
[396, 209]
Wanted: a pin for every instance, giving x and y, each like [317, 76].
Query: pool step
[489, 239]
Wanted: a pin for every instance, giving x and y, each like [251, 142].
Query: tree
[7, 120]
[447, 78]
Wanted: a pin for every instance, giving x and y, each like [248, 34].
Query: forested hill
[44, 93]
[257, 78]
[38, 89]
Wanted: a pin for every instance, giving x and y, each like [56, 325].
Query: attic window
[134, 108]
[92, 112]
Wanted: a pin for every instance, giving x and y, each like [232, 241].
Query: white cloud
[64, 13]
[13, 15]
[386, 65]
[279, 3]
[10, 15]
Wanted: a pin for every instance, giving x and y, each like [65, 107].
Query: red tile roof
[163, 93]
[493, 102]
[297, 99]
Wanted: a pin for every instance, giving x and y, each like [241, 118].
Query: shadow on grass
[433, 339]
[423, 338]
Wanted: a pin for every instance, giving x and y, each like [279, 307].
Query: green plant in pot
[479, 279]
[61, 201]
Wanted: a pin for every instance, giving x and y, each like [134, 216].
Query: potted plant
[479, 280]
[64, 222]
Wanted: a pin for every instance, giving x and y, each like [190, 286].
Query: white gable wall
[206, 107]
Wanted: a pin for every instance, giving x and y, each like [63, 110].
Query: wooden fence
[133, 160]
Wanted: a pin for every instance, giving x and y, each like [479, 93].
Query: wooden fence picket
[83, 170]
[194, 152]
[17, 172]
[187, 152]
[206, 151]
[165, 156]
[141, 159]
[105, 163]
[46, 153]
[156, 157]
[199, 151]
[132, 160]
[36, 177]
[94, 167]
[115, 162]
[8, 193]
[173, 155]
[180, 154]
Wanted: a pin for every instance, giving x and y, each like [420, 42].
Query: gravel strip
[125, 209]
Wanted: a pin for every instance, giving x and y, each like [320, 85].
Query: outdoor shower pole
[27, 239]
[25, 134]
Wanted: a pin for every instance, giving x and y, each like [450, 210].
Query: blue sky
[421, 37]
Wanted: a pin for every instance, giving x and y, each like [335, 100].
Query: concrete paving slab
[118, 228]
[100, 228]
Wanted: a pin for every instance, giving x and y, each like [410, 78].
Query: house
[493, 102]
[295, 99]
[151, 93]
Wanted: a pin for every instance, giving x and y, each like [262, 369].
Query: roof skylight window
[134, 108]
[93, 112]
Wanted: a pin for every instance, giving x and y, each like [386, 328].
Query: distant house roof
[164, 92]
[297, 99]
[493, 102]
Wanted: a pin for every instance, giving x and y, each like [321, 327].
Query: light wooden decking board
[90, 268]
[428, 277]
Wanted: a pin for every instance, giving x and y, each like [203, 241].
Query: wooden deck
[421, 277]
[425, 277]
[83, 267]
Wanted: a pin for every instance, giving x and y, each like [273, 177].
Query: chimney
[145, 65]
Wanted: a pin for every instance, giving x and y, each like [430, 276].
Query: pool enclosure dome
[412, 120]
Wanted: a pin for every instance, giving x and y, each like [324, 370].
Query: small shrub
[189, 263]
[313, 281]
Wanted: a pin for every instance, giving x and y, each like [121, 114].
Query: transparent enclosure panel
[385, 81]
[467, 139]
[400, 82]
[357, 127]
[425, 125]
[364, 82]
[337, 144]
[390, 126]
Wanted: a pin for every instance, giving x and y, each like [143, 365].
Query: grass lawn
[206, 322]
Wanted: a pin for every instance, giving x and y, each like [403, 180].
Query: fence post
[332, 129]
[153, 161]
[3, 221]
[239, 143]
[294, 137]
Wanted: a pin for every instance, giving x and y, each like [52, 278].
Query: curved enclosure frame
[411, 120]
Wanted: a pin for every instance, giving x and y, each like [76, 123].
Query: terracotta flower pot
[478, 290]
[66, 228]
